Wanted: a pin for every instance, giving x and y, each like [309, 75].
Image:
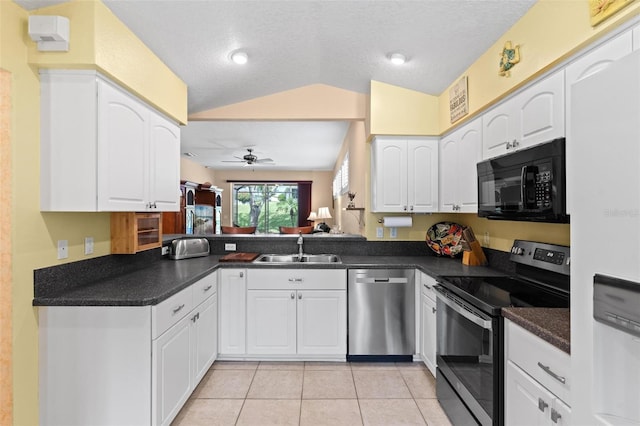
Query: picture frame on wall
[459, 100]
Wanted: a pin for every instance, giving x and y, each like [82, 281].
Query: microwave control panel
[543, 189]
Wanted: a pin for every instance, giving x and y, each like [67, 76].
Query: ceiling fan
[250, 159]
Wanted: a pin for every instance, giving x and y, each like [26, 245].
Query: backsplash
[51, 281]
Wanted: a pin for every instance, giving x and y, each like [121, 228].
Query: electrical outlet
[165, 250]
[485, 239]
[393, 232]
[63, 249]
[88, 245]
[230, 246]
[380, 232]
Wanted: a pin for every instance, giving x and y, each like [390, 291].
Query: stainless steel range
[470, 344]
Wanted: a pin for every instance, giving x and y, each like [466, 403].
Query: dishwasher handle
[390, 280]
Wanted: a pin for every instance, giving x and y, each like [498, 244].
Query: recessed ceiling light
[239, 57]
[397, 58]
[189, 154]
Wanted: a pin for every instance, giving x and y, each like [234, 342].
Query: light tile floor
[314, 394]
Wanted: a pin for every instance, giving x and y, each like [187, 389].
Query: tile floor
[314, 393]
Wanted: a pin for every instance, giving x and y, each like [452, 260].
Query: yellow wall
[328, 103]
[550, 32]
[98, 40]
[352, 222]
[194, 172]
[34, 234]
[398, 111]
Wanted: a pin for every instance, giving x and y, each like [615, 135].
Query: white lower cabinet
[537, 381]
[116, 365]
[529, 403]
[233, 310]
[271, 325]
[297, 312]
[428, 326]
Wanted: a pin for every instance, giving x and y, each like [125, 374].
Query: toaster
[185, 248]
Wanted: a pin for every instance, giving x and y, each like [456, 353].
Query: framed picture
[458, 100]
[599, 10]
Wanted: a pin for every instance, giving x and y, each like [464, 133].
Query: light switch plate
[380, 232]
[230, 246]
[393, 232]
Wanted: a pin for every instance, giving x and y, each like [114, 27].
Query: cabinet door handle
[207, 288]
[404, 208]
[509, 146]
[295, 280]
[433, 310]
[555, 415]
[542, 405]
[241, 274]
[299, 296]
[547, 370]
[293, 295]
[515, 143]
[178, 309]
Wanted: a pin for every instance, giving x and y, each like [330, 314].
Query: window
[341, 179]
[268, 206]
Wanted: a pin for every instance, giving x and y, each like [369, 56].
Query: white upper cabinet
[532, 116]
[404, 174]
[102, 149]
[460, 151]
[586, 65]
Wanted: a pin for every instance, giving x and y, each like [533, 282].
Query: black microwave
[529, 185]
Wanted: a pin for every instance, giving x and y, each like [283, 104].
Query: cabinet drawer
[205, 288]
[544, 362]
[170, 311]
[297, 279]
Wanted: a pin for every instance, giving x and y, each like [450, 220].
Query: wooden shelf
[134, 232]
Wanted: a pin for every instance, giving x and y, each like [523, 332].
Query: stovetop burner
[541, 280]
[490, 294]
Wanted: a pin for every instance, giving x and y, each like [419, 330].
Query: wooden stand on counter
[473, 254]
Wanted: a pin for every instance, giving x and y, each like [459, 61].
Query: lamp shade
[323, 213]
[312, 216]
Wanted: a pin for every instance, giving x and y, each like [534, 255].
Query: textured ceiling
[301, 42]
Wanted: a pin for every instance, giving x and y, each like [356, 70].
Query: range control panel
[551, 257]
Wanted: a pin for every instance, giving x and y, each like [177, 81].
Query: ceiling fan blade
[233, 161]
[264, 160]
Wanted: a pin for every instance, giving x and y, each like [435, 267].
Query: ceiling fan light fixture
[397, 58]
[239, 57]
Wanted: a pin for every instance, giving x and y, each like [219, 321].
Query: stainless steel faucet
[300, 241]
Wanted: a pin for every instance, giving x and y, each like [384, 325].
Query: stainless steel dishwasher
[381, 314]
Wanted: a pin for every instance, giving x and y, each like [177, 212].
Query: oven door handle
[486, 324]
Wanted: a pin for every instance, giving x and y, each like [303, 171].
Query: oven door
[466, 358]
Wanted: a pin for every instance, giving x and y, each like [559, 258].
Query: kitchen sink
[294, 258]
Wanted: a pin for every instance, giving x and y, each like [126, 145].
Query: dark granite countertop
[550, 324]
[163, 278]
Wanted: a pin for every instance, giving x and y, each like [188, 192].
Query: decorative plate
[445, 238]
